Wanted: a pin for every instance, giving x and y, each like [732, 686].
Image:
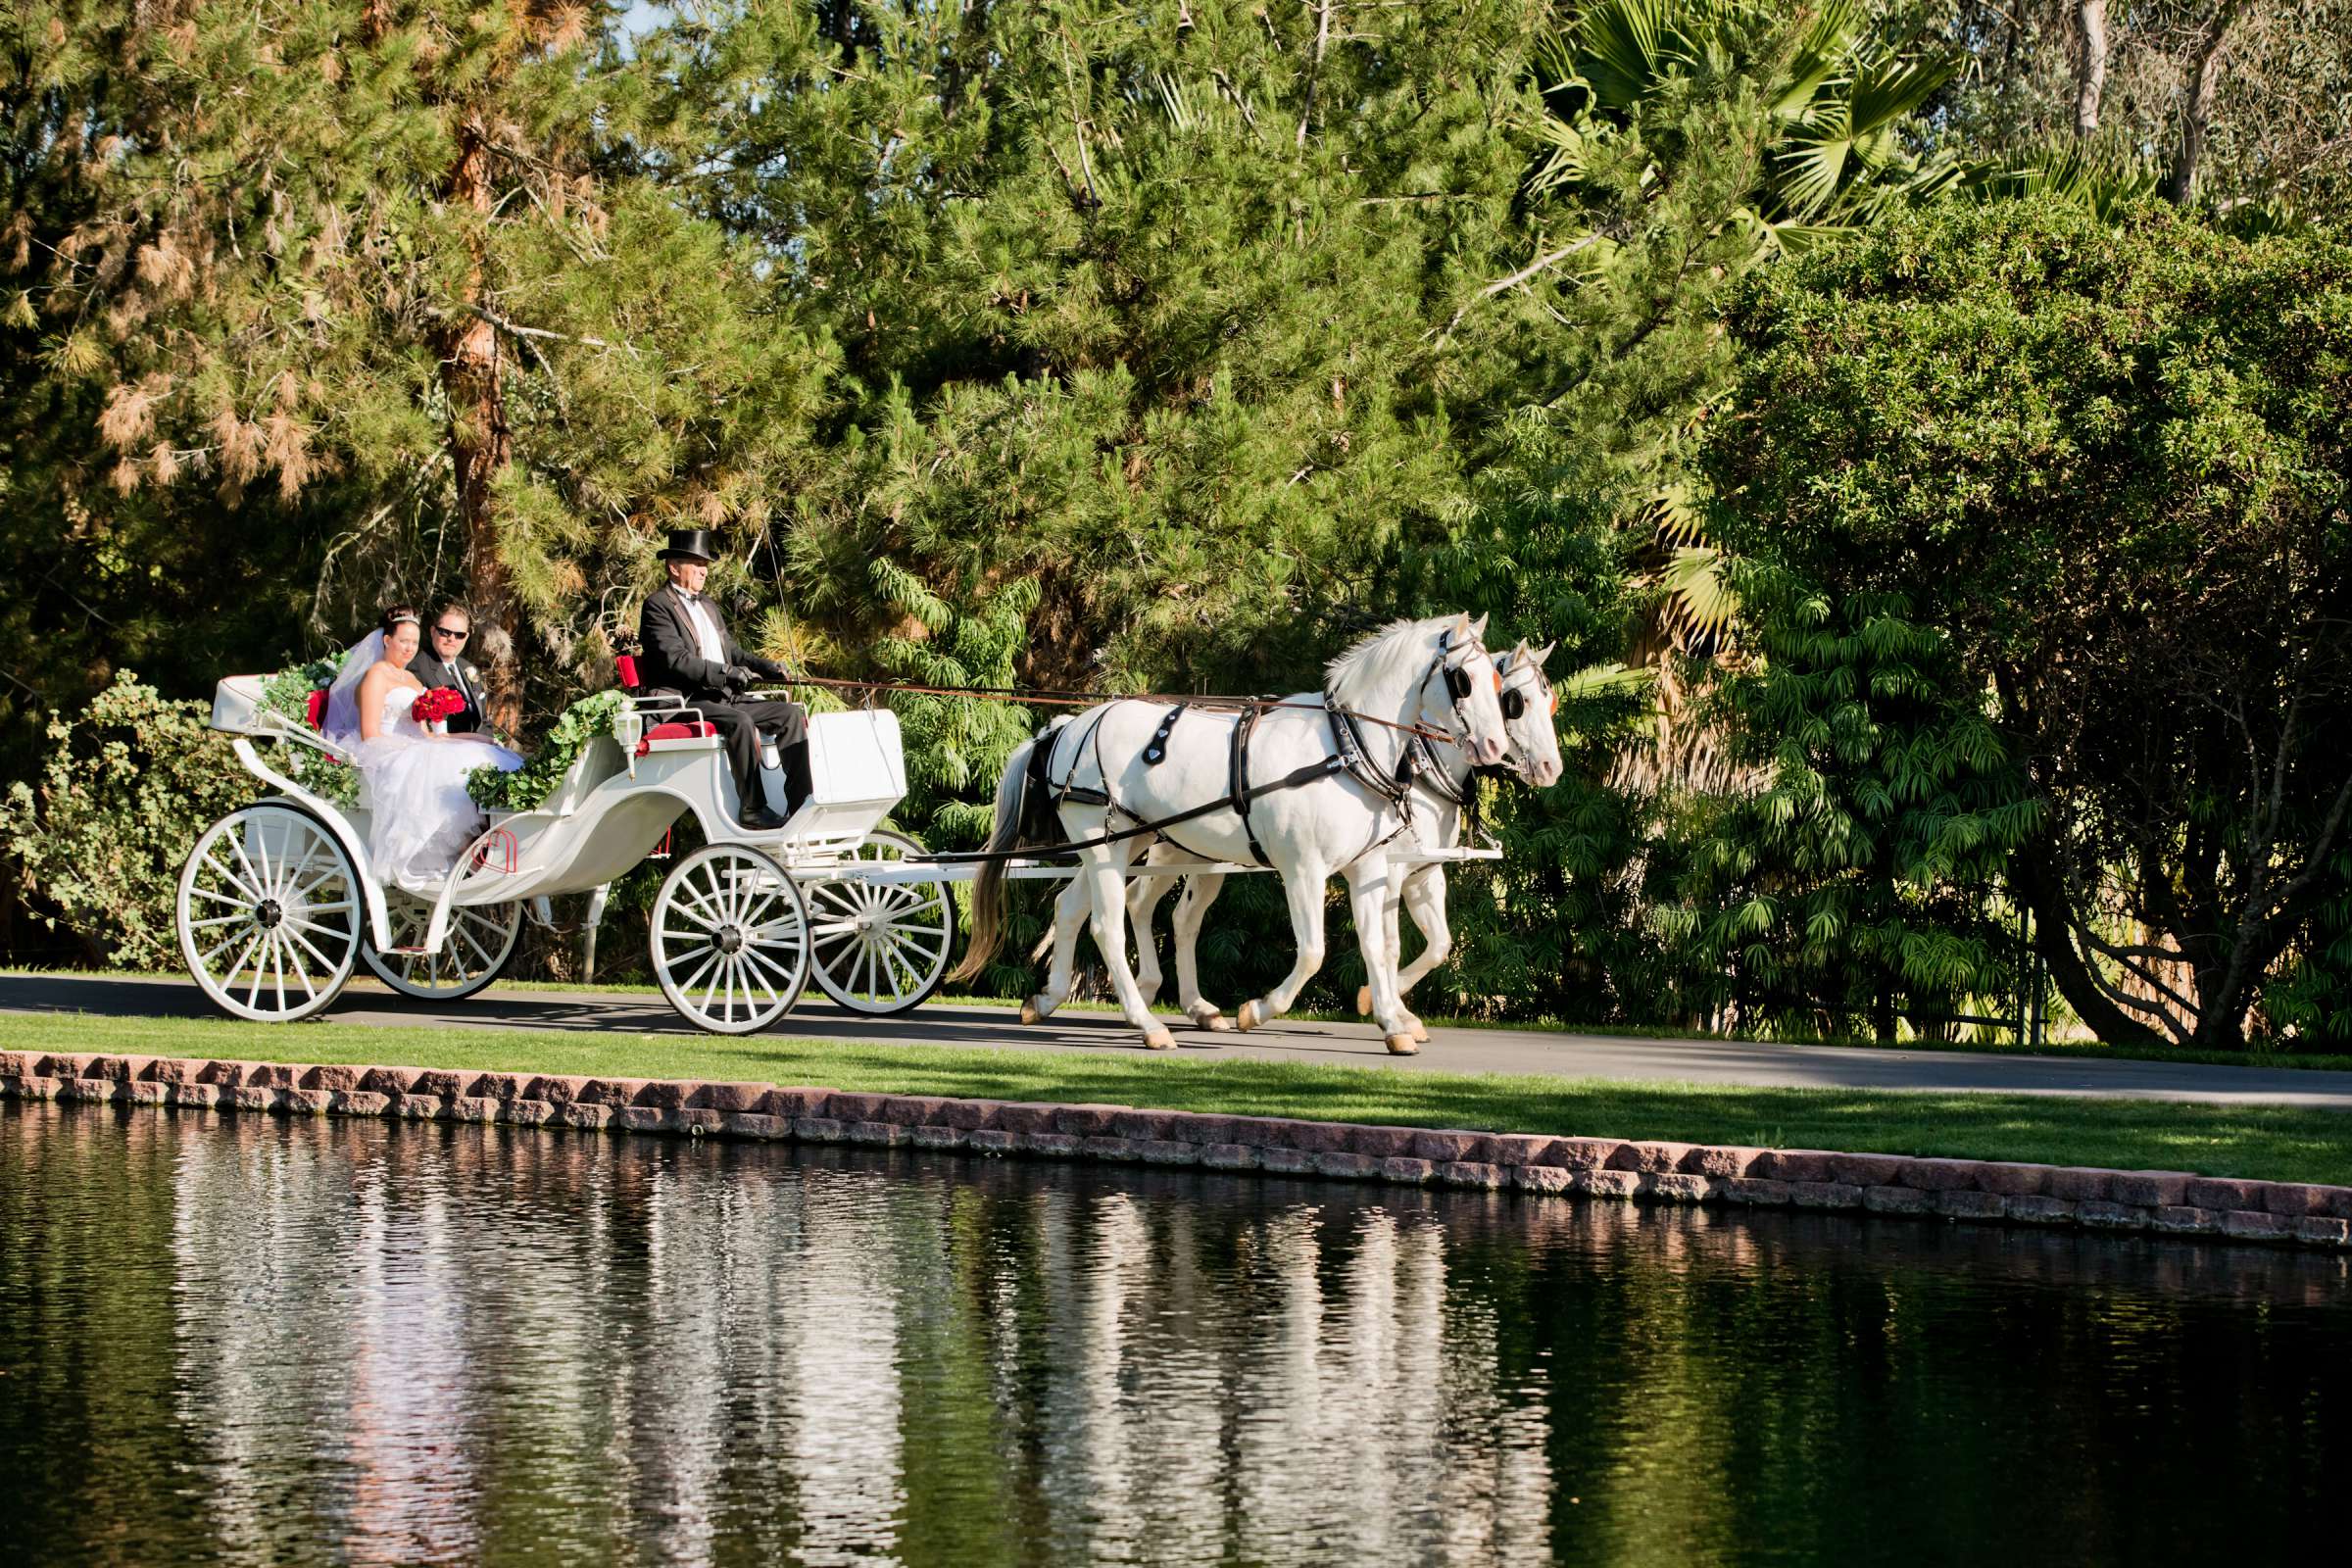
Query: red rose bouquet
[432, 709]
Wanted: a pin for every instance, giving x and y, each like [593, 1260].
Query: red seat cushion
[314, 708]
[674, 732]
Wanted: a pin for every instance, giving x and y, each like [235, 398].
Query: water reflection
[250, 1341]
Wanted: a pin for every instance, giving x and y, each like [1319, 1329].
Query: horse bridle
[1515, 704]
[1458, 682]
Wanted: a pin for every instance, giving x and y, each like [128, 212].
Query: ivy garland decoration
[589, 719]
[287, 693]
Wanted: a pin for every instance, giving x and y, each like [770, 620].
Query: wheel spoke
[708, 918]
[906, 977]
[262, 878]
[326, 963]
[248, 895]
[775, 968]
[218, 919]
[327, 875]
[835, 894]
[752, 978]
[710, 956]
[205, 961]
[479, 950]
[753, 914]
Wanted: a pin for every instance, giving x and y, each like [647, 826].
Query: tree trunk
[480, 442]
[2039, 892]
[2205, 79]
[2090, 63]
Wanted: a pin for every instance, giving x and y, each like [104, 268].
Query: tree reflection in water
[247, 1340]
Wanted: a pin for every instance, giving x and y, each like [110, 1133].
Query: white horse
[1307, 787]
[1440, 791]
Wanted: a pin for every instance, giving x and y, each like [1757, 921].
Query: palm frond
[1700, 600]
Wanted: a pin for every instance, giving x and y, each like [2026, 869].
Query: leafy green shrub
[125, 788]
[287, 693]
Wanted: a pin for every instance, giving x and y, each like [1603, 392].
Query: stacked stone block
[1607, 1169]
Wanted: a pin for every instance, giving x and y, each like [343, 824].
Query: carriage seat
[668, 736]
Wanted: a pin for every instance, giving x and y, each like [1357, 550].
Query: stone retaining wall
[2172, 1203]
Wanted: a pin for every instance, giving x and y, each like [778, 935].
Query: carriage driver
[687, 650]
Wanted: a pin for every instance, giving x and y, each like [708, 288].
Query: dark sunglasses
[444, 631]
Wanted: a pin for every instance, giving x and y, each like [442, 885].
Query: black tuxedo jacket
[460, 677]
[672, 657]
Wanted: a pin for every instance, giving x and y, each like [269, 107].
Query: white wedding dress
[420, 817]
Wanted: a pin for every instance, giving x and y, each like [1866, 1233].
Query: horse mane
[1392, 658]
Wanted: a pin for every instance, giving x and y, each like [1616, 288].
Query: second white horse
[1310, 787]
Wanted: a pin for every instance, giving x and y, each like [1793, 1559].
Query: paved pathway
[941, 1024]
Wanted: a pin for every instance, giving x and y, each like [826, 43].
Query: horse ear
[1460, 631]
[1478, 629]
[1518, 655]
[1542, 653]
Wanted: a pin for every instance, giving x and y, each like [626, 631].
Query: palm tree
[1827, 102]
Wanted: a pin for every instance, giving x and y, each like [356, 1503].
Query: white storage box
[857, 776]
[238, 705]
[855, 758]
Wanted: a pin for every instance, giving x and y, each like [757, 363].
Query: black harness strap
[1236, 782]
[1158, 752]
[1289, 781]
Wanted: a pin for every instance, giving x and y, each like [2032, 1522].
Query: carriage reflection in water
[279, 905]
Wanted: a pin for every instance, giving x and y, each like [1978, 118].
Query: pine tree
[397, 267]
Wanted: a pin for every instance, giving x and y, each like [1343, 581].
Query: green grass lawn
[2275, 1141]
[2069, 1049]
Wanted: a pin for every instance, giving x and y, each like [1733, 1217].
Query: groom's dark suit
[460, 677]
[675, 658]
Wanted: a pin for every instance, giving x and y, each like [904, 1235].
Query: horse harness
[1349, 754]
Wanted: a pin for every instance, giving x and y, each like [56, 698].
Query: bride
[421, 817]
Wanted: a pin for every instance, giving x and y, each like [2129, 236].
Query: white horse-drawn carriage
[279, 905]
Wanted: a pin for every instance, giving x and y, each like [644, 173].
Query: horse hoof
[1205, 1016]
[1247, 1018]
[1158, 1040]
[1030, 1013]
[1404, 1046]
[1420, 1032]
[1217, 1023]
[1363, 1002]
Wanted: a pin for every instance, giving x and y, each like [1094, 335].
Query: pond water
[248, 1340]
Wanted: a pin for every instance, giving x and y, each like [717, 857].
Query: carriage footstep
[1404, 1046]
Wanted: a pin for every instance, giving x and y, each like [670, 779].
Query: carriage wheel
[730, 939]
[481, 938]
[270, 913]
[880, 948]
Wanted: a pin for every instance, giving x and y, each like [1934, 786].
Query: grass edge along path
[2273, 1143]
[2057, 1050]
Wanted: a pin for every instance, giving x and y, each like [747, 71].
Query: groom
[687, 650]
[441, 661]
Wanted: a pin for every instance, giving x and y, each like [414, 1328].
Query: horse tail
[987, 885]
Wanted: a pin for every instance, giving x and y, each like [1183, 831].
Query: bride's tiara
[406, 621]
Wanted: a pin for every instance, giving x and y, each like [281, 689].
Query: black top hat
[691, 544]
